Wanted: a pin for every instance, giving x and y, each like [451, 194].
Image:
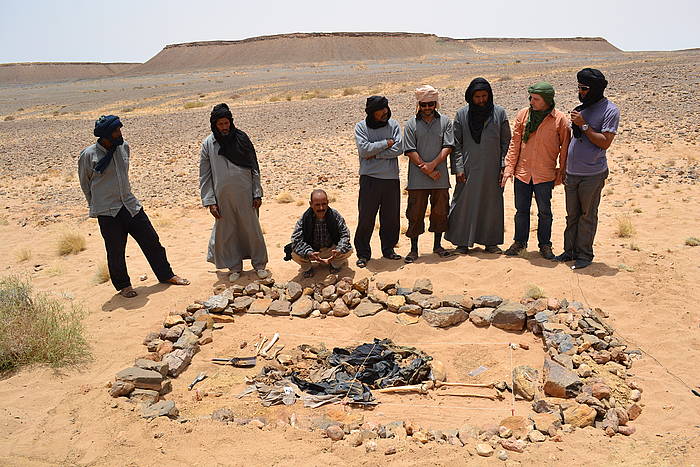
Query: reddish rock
[164, 348]
[600, 391]
[515, 445]
[634, 411]
[335, 433]
[626, 430]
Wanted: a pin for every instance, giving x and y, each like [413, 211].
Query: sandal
[411, 257]
[442, 253]
[361, 262]
[177, 280]
[128, 292]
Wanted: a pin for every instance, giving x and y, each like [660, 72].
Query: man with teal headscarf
[541, 137]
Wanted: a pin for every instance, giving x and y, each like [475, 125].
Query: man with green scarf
[541, 137]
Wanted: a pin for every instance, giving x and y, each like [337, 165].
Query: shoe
[361, 262]
[462, 250]
[411, 257]
[441, 252]
[581, 263]
[392, 255]
[262, 273]
[564, 257]
[307, 274]
[515, 249]
[493, 249]
[546, 252]
[332, 269]
[234, 276]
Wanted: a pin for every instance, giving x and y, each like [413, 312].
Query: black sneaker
[581, 263]
[564, 257]
[546, 252]
[514, 249]
[493, 249]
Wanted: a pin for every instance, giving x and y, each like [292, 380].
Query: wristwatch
[585, 127]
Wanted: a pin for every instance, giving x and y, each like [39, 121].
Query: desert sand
[300, 117]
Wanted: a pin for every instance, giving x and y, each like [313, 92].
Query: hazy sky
[135, 30]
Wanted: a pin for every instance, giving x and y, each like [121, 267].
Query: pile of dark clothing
[345, 373]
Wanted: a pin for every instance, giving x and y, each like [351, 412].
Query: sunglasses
[427, 104]
[582, 87]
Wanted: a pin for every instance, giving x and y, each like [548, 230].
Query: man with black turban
[541, 136]
[103, 170]
[229, 182]
[378, 139]
[481, 136]
[594, 124]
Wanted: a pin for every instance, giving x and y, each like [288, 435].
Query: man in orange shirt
[540, 137]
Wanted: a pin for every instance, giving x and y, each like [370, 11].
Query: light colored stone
[302, 307]
[260, 306]
[160, 367]
[367, 308]
[173, 320]
[489, 301]
[546, 422]
[216, 303]
[241, 304]
[481, 317]
[517, 425]
[407, 320]
[525, 379]
[377, 296]
[335, 433]
[423, 285]
[484, 450]
[293, 291]
[395, 302]
[144, 396]
[141, 378]
[444, 317]
[160, 409]
[411, 310]
[187, 339]
[340, 309]
[536, 436]
[515, 445]
[279, 308]
[121, 388]
[178, 360]
[579, 415]
[362, 285]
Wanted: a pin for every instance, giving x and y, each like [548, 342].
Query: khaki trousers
[337, 263]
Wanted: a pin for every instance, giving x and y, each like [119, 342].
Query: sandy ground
[646, 283]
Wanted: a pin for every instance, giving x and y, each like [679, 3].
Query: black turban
[478, 114]
[597, 83]
[375, 103]
[105, 125]
[236, 146]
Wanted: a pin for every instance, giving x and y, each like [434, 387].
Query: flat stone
[579, 415]
[395, 302]
[406, 319]
[517, 425]
[377, 296]
[142, 379]
[173, 333]
[340, 309]
[121, 388]
[279, 308]
[294, 291]
[411, 310]
[198, 327]
[260, 306]
[481, 317]
[160, 409]
[560, 382]
[509, 317]
[444, 317]
[423, 285]
[187, 339]
[252, 288]
[564, 360]
[546, 422]
[173, 320]
[160, 367]
[634, 411]
[241, 304]
[216, 303]
[178, 360]
[384, 284]
[164, 348]
[562, 342]
[144, 396]
[367, 308]
[525, 379]
[466, 433]
[222, 319]
[362, 285]
[302, 307]
[206, 338]
[484, 450]
[536, 436]
[488, 301]
[626, 430]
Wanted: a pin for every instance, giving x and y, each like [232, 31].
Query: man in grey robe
[229, 181]
[482, 136]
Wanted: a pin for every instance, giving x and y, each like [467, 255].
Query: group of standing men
[545, 149]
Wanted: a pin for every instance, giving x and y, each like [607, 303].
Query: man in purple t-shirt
[594, 124]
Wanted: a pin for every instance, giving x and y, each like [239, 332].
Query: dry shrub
[634, 247]
[37, 329]
[54, 271]
[24, 254]
[127, 109]
[285, 197]
[637, 210]
[161, 221]
[9, 118]
[350, 91]
[300, 202]
[625, 229]
[193, 104]
[70, 243]
[535, 292]
[4, 221]
[692, 241]
[624, 267]
[102, 273]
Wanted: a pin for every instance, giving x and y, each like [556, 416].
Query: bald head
[319, 203]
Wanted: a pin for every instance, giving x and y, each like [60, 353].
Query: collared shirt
[536, 159]
[428, 139]
[108, 191]
[300, 247]
[321, 237]
[585, 158]
[373, 142]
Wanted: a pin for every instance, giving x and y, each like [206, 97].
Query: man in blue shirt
[594, 124]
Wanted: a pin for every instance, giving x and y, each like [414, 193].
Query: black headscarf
[375, 103]
[236, 146]
[478, 114]
[104, 127]
[597, 83]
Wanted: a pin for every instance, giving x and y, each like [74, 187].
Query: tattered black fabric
[236, 146]
[478, 114]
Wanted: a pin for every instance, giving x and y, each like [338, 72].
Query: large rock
[395, 302]
[579, 415]
[525, 380]
[546, 422]
[173, 320]
[160, 409]
[423, 285]
[160, 367]
[178, 360]
[294, 291]
[144, 396]
[489, 301]
[444, 317]
[260, 306]
[411, 310]
[352, 298]
[481, 317]
[172, 334]
[362, 285]
[560, 382]
[378, 296]
[216, 303]
[279, 308]
[303, 307]
[367, 308]
[509, 317]
[121, 388]
[198, 327]
[340, 309]
[141, 378]
[187, 340]
[252, 288]
[241, 304]
[517, 425]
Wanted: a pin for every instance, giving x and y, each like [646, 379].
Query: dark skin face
[223, 125]
[480, 98]
[319, 205]
[427, 109]
[116, 134]
[381, 115]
